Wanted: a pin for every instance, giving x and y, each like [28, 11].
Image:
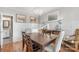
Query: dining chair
[57, 46]
[23, 40]
[28, 44]
[77, 39]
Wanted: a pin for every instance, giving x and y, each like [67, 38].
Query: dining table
[41, 39]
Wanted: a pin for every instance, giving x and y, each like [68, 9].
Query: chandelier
[38, 11]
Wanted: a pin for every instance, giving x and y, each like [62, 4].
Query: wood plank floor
[12, 47]
[17, 47]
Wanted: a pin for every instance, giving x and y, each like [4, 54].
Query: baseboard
[17, 40]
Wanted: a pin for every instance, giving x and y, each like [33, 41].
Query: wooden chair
[23, 39]
[73, 46]
[28, 44]
[77, 39]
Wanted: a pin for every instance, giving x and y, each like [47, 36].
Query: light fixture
[38, 11]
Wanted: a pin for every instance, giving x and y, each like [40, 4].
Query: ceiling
[32, 10]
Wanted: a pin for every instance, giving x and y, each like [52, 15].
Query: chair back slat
[27, 43]
[23, 40]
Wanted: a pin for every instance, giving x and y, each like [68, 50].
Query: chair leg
[23, 45]
[26, 48]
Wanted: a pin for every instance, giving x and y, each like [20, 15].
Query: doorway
[7, 29]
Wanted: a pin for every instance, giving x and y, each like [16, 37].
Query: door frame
[11, 30]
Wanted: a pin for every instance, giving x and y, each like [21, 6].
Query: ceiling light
[38, 11]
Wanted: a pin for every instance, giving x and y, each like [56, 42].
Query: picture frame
[20, 18]
[6, 23]
[33, 19]
[52, 17]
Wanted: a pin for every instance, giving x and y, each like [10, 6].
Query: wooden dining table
[41, 39]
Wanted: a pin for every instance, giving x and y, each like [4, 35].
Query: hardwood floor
[17, 47]
[12, 47]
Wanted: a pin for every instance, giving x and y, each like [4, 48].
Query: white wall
[17, 27]
[70, 19]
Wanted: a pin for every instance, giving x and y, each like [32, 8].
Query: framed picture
[20, 18]
[52, 17]
[6, 23]
[32, 19]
